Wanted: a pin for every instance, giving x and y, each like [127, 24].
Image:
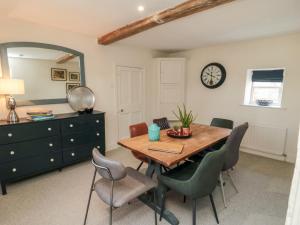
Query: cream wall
[226, 101]
[100, 63]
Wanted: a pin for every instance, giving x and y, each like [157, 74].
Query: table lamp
[10, 87]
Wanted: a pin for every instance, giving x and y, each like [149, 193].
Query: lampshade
[11, 87]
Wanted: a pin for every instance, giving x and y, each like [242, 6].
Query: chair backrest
[224, 123]
[163, 123]
[233, 145]
[104, 165]
[205, 178]
[138, 129]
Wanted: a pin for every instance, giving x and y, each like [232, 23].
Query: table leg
[154, 167]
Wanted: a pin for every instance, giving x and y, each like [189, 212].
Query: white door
[130, 98]
[171, 86]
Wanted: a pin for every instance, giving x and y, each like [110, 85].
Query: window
[264, 87]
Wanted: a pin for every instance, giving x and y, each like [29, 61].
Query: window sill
[267, 107]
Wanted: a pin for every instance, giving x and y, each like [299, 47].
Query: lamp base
[12, 116]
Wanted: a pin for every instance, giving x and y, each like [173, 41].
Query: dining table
[202, 138]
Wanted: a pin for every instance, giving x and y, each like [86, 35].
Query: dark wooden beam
[184, 9]
[65, 58]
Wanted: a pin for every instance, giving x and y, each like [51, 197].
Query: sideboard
[30, 148]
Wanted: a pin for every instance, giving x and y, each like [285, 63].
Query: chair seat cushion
[183, 172]
[125, 190]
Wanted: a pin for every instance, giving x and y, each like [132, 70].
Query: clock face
[213, 75]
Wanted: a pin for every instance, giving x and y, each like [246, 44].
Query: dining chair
[233, 144]
[118, 185]
[163, 123]
[223, 123]
[194, 180]
[137, 130]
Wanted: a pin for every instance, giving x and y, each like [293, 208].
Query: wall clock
[213, 75]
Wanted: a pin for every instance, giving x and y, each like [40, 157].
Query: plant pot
[186, 130]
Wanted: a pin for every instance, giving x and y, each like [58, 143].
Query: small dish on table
[178, 133]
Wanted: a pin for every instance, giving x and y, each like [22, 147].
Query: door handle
[122, 110]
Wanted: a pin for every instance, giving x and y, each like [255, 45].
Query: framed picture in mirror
[58, 74]
[69, 86]
[74, 76]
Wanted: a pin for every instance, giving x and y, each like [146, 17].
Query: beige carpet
[59, 198]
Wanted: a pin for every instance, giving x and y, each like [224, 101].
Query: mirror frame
[6, 73]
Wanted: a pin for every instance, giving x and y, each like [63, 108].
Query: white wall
[225, 101]
[36, 74]
[100, 63]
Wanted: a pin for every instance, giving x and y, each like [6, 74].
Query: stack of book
[40, 115]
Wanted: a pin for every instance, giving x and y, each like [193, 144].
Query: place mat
[174, 148]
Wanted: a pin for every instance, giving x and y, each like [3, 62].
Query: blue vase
[154, 132]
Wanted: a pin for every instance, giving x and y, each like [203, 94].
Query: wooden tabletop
[203, 137]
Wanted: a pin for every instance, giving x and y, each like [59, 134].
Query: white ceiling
[239, 20]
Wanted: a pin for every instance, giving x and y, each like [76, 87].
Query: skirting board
[267, 155]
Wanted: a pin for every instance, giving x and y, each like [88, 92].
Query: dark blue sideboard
[29, 148]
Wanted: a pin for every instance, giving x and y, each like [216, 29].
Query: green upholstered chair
[194, 180]
[223, 123]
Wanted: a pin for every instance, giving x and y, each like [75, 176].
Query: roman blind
[267, 75]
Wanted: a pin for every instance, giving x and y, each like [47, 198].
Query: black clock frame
[223, 75]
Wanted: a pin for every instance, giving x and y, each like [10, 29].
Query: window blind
[267, 75]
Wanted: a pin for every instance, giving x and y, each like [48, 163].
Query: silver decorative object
[81, 99]
[12, 115]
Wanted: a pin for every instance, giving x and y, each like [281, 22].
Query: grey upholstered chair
[232, 156]
[118, 185]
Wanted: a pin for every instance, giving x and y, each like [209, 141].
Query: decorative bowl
[264, 102]
[178, 134]
[81, 99]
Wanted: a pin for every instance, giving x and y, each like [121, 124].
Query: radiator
[265, 139]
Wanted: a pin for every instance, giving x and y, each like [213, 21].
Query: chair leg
[155, 202]
[231, 181]
[90, 196]
[214, 207]
[110, 215]
[194, 211]
[222, 189]
[162, 207]
[184, 199]
[139, 167]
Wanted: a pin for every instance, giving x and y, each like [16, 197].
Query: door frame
[143, 70]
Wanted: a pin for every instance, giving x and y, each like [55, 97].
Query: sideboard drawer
[74, 125]
[28, 131]
[25, 149]
[73, 140]
[77, 154]
[29, 166]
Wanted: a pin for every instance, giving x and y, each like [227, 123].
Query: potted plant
[186, 118]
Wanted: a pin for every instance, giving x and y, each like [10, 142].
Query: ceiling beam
[184, 9]
[65, 58]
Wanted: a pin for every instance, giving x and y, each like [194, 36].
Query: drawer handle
[50, 145]
[9, 134]
[51, 160]
[98, 147]
[97, 134]
[73, 154]
[97, 121]
[72, 140]
[14, 170]
[49, 129]
[71, 125]
[12, 152]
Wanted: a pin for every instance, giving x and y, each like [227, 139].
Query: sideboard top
[57, 117]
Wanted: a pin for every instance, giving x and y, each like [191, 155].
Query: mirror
[48, 71]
